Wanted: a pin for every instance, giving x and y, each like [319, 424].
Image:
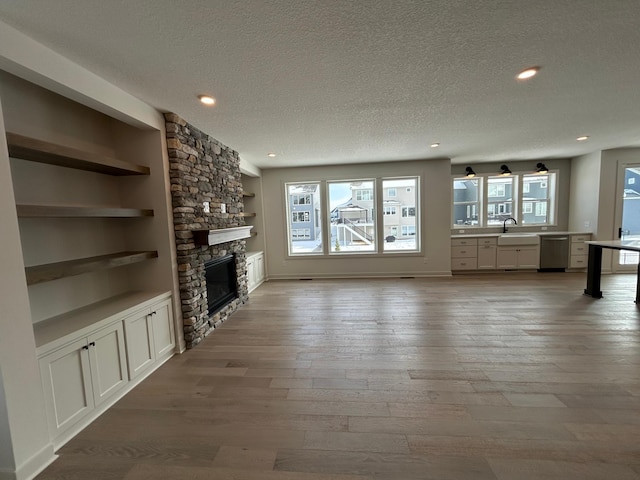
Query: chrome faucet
[504, 225]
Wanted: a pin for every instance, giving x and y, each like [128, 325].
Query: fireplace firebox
[222, 285]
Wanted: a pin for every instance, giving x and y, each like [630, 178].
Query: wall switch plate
[223, 208]
[205, 207]
[543, 228]
[461, 230]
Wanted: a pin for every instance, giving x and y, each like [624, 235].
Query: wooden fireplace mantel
[222, 235]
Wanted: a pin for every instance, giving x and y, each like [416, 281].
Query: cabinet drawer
[578, 261]
[580, 238]
[464, 252]
[464, 264]
[458, 242]
[579, 249]
[488, 241]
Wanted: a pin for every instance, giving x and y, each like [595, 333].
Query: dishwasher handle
[556, 239]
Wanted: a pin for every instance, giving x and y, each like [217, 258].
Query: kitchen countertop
[542, 233]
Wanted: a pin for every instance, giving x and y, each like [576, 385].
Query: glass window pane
[305, 229]
[466, 201]
[353, 225]
[539, 192]
[499, 199]
[400, 214]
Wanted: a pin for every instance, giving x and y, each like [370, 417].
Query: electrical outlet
[205, 207]
[461, 230]
[223, 208]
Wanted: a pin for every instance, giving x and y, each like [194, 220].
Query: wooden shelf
[75, 211]
[248, 194]
[247, 214]
[54, 271]
[40, 151]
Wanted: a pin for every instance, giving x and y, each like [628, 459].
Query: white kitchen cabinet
[579, 251]
[82, 375]
[518, 257]
[150, 337]
[255, 270]
[464, 254]
[487, 253]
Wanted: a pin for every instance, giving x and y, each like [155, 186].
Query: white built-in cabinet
[87, 365]
[150, 337]
[518, 257]
[255, 270]
[93, 214]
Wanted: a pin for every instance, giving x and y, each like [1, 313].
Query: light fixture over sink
[504, 171]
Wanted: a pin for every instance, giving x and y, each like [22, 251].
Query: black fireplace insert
[222, 285]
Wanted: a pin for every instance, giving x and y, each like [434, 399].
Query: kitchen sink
[519, 239]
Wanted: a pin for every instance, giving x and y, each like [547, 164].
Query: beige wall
[435, 194]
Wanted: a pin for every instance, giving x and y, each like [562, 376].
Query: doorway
[627, 215]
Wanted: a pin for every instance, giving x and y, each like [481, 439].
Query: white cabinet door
[108, 362]
[507, 257]
[66, 379]
[140, 349]
[486, 257]
[528, 257]
[251, 273]
[259, 268]
[163, 331]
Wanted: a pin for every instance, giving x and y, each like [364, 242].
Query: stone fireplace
[205, 175]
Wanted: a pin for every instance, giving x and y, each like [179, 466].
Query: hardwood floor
[496, 377]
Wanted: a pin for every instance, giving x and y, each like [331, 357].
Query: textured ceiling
[339, 81]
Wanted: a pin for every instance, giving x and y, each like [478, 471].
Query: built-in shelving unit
[55, 271]
[64, 211]
[40, 151]
[248, 214]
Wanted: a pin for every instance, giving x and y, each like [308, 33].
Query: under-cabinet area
[513, 251]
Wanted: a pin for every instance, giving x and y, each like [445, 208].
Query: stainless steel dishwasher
[554, 253]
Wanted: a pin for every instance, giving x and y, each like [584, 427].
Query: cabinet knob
[85, 347]
[92, 344]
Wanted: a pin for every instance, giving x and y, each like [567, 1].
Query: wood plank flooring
[479, 377]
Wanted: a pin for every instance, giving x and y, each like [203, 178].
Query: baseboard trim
[332, 276]
[32, 467]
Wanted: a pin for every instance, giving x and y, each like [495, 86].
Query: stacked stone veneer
[203, 170]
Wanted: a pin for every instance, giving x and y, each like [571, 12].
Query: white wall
[24, 438]
[584, 193]
[435, 192]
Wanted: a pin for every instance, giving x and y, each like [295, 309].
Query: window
[389, 211]
[466, 193]
[499, 199]
[408, 230]
[529, 198]
[302, 200]
[408, 212]
[300, 217]
[368, 216]
[541, 209]
[364, 195]
[496, 189]
[631, 181]
[540, 194]
[301, 233]
[353, 223]
[405, 225]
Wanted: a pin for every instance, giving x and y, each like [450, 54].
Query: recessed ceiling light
[583, 138]
[207, 100]
[435, 145]
[528, 73]
[271, 154]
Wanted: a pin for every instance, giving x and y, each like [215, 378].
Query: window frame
[497, 207]
[375, 207]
